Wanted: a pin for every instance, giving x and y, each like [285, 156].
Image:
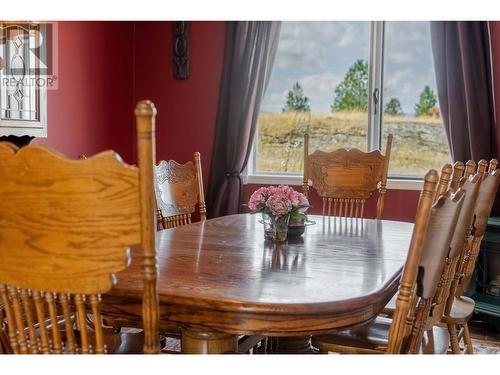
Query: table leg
[295, 345]
[200, 342]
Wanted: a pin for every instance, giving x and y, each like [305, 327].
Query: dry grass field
[419, 143]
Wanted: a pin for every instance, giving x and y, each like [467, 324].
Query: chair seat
[461, 311]
[374, 337]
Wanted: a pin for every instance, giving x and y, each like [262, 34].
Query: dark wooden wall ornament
[181, 50]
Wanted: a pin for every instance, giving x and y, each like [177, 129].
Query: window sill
[296, 180]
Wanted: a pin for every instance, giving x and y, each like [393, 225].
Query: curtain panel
[250, 50]
[462, 62]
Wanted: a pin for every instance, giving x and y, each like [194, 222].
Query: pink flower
[279, 204]
[303, 201]
[295, 198]
[279, 200]
[258, 199]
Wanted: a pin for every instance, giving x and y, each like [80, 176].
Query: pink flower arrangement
[279, 201]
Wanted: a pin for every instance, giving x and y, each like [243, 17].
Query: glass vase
[275, 229]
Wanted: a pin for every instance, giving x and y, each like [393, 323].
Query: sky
[318, 54]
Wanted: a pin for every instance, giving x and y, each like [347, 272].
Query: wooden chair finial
[145, 108]
[481, 166]
[458, 171]
[444, 180]
[493, 165]
[469, 168]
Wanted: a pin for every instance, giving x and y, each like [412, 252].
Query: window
[349, 84]
[23, 103]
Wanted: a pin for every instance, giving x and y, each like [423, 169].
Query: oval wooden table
[219, 279]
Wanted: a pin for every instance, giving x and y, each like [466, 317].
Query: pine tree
[393, 107]
[426, 105]
[352, 93]
[296, 100]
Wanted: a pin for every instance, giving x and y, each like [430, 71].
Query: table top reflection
[222, 274]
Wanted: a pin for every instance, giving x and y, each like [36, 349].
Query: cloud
[400, 57]
[407, 38]
[319, 88]
[394, 80]
[273, 101]
[307, 45]
[348, 36]
[297, 54]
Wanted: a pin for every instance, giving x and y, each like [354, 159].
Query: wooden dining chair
[412, 328]
[178, 189]
[345, 179]
[62, 246]
[459, 308]
[447, 309]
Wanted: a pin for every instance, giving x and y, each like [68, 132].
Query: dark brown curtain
[462, 63]
[249, 54]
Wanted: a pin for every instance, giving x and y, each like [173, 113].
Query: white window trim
[375, 121]
[296, 180]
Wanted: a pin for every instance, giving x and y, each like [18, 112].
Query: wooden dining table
[219, 279]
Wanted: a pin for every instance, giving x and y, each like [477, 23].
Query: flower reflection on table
[284, 257]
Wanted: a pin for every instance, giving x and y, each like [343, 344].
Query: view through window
[411, 111]
[323, 82]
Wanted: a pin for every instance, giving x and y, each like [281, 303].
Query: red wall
[187, 109]
[92, 109]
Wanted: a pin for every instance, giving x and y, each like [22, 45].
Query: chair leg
[272, 345]
[455, 348]
[467, 340]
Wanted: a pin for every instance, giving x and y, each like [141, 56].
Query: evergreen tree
[352, 93]
[426, 105]
[296, 100]
[393, 107]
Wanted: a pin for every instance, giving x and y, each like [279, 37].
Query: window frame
[32, 128]
[375, 124]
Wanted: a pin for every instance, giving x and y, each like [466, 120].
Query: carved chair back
[443, 299]
[345, 179]
[61, 243]
[429, 246]
[178, 188]
[490, 177]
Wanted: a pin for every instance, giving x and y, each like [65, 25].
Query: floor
[486, 340]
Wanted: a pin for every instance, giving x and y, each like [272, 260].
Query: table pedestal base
[199, 342]
[294, 345]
